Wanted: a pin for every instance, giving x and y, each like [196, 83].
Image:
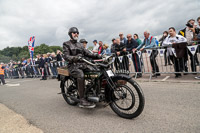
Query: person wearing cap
[2, 73]
[106, 50]
[96, 46]
[122, 38]
[84, 42]
[113, 45]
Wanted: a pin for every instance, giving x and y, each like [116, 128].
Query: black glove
[77, 58]
[99, 56]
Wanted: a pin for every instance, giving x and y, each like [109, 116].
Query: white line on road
[13, 84]
[165, 78]
[21, 80]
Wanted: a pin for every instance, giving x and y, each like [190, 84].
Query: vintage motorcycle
[119, 91]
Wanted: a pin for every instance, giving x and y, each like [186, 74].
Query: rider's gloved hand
[99, 56]
[77, 58]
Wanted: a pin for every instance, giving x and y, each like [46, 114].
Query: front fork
[111, 84]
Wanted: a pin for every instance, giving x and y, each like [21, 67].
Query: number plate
[110, 73]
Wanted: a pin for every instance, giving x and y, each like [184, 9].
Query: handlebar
[97, 64]
[88, 62]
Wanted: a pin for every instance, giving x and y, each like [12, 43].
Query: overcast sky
[49, 20]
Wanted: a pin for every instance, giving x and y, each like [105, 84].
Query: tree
[42, 49]
[5, 59]
[55, 48]
[16, 53]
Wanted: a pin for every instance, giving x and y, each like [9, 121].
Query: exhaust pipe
[93, 99]
[75, 99]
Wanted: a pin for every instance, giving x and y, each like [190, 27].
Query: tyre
[127, 99]
[69, 89]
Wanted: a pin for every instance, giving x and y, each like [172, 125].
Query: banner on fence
[149, 51]
[192, 49]
[120, 58]
[130, 56]
[161, 52]
[139, 53]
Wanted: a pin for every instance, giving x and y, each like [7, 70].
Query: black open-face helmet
[83, 40]
[72, 30]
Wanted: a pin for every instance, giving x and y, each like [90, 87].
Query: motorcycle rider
[72, 51]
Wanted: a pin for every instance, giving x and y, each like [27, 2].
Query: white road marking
[165, 78]
[12, 84]
[20, 81]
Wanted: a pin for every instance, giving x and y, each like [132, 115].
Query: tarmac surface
[11, 122]
[172, 105]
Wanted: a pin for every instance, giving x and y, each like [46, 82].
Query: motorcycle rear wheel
[65, 92]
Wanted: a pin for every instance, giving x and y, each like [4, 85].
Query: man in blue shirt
[150, 42]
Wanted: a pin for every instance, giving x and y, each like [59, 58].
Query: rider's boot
[81, 89]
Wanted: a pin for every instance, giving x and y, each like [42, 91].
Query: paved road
[170, 107]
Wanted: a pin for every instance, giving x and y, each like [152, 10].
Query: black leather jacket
[73, 50]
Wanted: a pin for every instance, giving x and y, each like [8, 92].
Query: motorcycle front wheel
[127, 99]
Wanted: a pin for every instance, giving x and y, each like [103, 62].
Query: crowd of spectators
[130, 44]
[45, 65]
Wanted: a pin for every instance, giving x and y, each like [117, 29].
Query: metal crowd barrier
[138, 63]
[145, 62]
[32, 71]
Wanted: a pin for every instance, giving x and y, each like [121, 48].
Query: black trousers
[44, 74]
[78, 73]
[136, 62]
[153, 61]
[124, 65]
[179, 64]
[167, 58]
[2, 79]
[193, 59]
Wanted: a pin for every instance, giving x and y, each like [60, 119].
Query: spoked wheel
[69, 89]
[127, 99]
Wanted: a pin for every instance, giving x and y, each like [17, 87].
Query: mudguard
[62, 80]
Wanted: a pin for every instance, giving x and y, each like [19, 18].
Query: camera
[189, 25]
[197, 30]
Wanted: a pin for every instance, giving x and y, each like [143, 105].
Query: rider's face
[75, 35]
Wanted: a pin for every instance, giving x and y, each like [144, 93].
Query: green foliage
[5, 59]
[17, 53]
[55, 48]
[90, 48]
